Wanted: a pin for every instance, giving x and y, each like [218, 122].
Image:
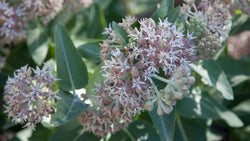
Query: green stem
[155, 88]
[161, 79]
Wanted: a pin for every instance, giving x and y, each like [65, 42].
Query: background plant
[208, 113]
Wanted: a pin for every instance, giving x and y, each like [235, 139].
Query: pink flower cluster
[14, 15]
[29, 95]
[12, 22]
[153, 51]
[210, 22]
[46, 10]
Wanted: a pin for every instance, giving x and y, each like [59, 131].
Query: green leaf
[68, 132]
[165, 124]
[90, 51]
[190, 129]
[161, 12]
[204, 107]
[96, 22]
[70, 66]
[63, 17]
[237, 71]
[137, 130]
[121, 33]
[214, 76]
[240, 23]
[38, 44]
[96, 78]
[173, 14]
[41, 134]
[87, 136]
[68, 107]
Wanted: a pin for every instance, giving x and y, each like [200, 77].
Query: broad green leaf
[96, 22]
[161, 12]
[41, 134]
[137, 130]
[165, 124]
[243, 111]
[68, 107]
[240, 23]
[214, 76]
[203, 106]
[237, 71]
[121, 33]
[87, 136]
[63, 17]
[173, 14]
[38, 43]
[90, 51]
[68, 132]
[70, 66]
[190, 129]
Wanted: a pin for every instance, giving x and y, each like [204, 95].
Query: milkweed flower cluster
[14, 15]
[210, 22]
[29, 95]
[130, 69]
[13, 20]
[46, 10]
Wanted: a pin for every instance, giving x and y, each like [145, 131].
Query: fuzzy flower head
[129, 69]
[29, 95]
[12, 23]
[45, 10]
[210, 22]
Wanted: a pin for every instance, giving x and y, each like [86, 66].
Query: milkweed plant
[123, 70]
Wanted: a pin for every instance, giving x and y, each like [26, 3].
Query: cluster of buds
[129, 69]
[46, 10]
[177, 86]
[210, 22]
[76, 5]
[13, 20]
[29, 96]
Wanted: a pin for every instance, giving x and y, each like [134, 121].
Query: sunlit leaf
[38, 44]
[214, 76]
[203, 106]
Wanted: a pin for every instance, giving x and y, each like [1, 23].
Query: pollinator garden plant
[153, 70]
